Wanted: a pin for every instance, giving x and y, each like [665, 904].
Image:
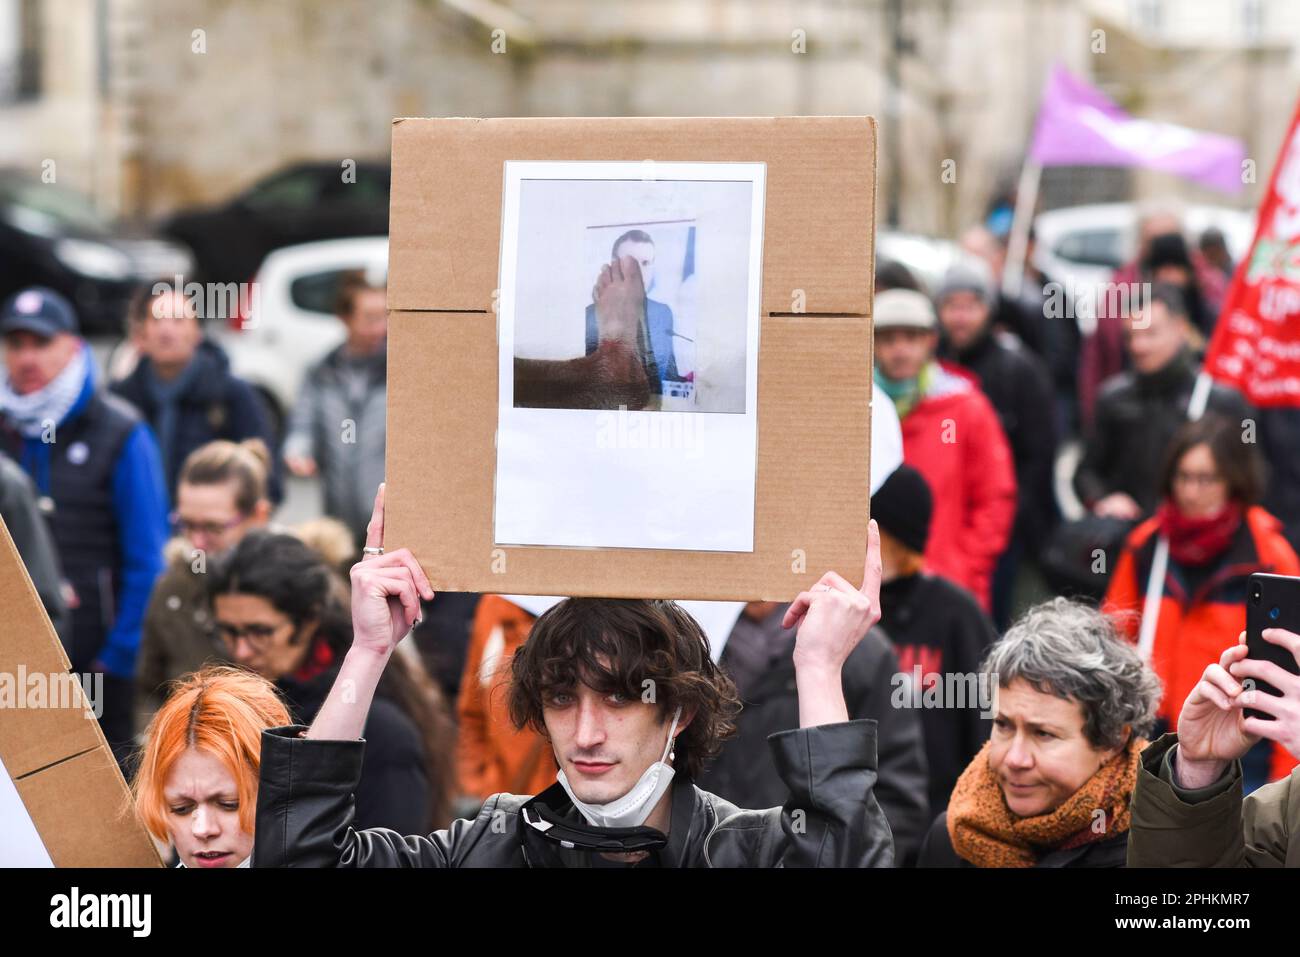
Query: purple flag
[1078, 125]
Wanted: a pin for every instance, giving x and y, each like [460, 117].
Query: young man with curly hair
[632, 705]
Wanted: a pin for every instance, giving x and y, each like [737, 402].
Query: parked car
[1083, 245]
[291, 324]
[53, 236]
[927, 259]
[300, 204]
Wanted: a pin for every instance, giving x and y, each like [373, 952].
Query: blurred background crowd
[215, 463]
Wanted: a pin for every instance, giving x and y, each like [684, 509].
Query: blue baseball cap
[39, 310]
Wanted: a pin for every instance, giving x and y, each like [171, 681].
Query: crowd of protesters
[143, 509]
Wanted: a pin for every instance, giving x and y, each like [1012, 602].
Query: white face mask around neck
[632, 809]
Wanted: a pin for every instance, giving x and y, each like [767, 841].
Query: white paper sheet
[20, 844]
[886, 438]
[681, 477]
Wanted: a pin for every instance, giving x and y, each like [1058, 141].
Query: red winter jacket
[953, 438]
[1193, 630]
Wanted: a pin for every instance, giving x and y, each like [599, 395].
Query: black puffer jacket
[744, 773]
[1020, 389]
[393, 789]
[215, 405]
[1279, 438]
[939, 628]
[32, 538]
[1135, 417]
[831, 819]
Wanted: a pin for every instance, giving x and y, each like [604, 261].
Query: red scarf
[319, 658]
[1198, 541]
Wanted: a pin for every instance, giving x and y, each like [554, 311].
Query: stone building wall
[141, 119]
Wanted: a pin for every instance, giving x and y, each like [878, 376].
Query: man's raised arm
[305, 798]
[832, 617]
[386, 593]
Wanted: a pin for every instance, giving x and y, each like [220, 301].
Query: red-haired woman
[196, 783]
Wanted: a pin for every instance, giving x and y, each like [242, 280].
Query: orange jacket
[491, 756]
[1194, 630]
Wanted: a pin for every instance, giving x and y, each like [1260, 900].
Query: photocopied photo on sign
[628, 336]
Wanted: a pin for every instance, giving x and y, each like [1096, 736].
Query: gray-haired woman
[1051, 788]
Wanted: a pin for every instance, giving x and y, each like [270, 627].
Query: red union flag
[1256, 344]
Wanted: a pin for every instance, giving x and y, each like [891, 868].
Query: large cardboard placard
[814, 368]
[65, 775]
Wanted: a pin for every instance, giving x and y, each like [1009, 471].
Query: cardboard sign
[52, 749]
[814, 352]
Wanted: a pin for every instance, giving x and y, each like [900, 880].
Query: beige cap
[899, 308]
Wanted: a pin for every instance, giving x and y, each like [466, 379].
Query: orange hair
[217, 709]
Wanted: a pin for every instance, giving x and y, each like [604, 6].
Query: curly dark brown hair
[618, 645]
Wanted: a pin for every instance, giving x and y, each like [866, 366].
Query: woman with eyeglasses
[279, 610]
[196, 776]
[221, 495]
[1218, 536]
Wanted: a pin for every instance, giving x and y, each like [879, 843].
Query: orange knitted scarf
[986, 833]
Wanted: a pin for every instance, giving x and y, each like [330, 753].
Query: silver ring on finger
[372, 550]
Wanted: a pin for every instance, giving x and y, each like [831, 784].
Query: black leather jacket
[1135, 418]
[305, 807]
[744, 773]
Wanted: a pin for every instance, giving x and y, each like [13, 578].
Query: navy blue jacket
[101, 481]
[216, 405]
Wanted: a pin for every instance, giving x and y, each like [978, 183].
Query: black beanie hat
[1168, 250]
[902, 506]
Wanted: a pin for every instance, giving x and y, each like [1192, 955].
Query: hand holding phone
[1210, 725]
[1273, 604]
[1269, 674]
